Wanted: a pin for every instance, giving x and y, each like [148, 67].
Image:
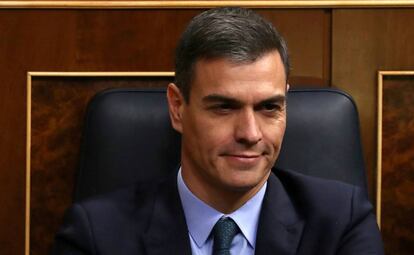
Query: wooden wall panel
[58, 109]
[397, 221]
[109, 40]
[309, 40]
[363, 42]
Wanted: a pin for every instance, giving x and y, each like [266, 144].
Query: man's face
[233, 125]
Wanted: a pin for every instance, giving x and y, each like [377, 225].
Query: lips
[242, 160]
[243, 155]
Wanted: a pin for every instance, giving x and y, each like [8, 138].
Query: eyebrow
[274, 100]
[216, 98]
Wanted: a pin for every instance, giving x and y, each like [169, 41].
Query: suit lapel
[280, 227]
[167, 232]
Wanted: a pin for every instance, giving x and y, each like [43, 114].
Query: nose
[247, 128]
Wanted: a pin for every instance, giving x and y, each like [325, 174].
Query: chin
[245, 182]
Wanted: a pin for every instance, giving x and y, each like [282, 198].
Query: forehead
[262, 78]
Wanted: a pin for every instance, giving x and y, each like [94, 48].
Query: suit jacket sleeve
[75, 236]
[362, 235]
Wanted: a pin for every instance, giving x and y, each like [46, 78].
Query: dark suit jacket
[300, 215]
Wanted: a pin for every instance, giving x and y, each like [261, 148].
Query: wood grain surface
[365, 41]
[58, 108]
[397, 221]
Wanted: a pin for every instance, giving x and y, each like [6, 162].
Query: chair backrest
[128, 138]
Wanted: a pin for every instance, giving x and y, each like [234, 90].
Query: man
[229, 104]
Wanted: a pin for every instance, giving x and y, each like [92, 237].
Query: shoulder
[119, 198]
[338, 216]
[317, 197]
[123, 210]
[121, 206]
[109, 222]
[307, 187]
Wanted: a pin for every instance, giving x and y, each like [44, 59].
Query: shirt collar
[201, 218]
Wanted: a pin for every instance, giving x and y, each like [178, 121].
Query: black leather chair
[128, 138]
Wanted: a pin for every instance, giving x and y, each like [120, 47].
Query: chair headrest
[128, 138]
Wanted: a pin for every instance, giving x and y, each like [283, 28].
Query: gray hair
[238, 34]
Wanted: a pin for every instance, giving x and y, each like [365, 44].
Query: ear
[287, 87]
[175, 105]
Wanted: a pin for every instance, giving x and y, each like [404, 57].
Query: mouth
[242, 154]
[243, 159]
[246, 154]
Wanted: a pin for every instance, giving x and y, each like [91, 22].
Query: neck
[223, 199]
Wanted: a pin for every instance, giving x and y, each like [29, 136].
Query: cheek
[205, 133]
[280, 129]
[215, 137]
[274, 133]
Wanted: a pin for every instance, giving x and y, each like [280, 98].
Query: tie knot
[224, 232]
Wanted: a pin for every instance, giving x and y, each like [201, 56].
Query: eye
[271, 107]
[271, 110]
[222, 108]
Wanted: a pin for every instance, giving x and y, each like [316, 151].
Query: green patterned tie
[223, 233]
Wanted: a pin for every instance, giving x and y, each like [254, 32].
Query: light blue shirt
[201, 219]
